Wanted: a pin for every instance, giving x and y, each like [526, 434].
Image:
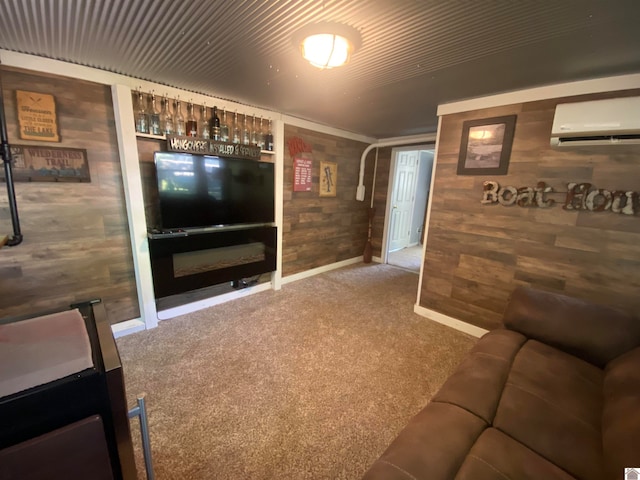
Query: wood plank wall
[76, 238]
[319, 231]
[476, 254]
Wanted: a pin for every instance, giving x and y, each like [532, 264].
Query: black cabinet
[76, 426]
[182, 261]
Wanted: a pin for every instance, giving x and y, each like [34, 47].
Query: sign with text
[302, 173]
[578, 196]
[49, 164]
[201, 146]
[37, 118]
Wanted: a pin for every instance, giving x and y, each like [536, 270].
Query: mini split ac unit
[599, 122]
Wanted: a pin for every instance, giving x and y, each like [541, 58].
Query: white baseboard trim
[210, 302]
[449, 321]
[318, 270]
[376, 259]
[127, 327]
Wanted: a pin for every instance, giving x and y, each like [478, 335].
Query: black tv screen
[203, 191]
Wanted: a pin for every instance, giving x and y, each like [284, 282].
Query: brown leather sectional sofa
[555, 394]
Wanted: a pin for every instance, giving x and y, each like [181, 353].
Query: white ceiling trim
[583, 87]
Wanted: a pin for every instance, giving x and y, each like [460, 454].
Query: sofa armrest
[595, 333]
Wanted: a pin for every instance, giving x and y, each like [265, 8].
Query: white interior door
[402, 199]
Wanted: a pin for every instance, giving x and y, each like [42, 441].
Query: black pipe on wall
[16, 239]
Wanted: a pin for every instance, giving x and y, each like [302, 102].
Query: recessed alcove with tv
[216, 221]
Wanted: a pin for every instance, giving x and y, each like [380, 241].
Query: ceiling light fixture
[327, 44]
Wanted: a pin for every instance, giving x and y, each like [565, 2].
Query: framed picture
[328, 179]
[485, 147]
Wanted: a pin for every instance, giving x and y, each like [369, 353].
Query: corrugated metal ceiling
[414, 55]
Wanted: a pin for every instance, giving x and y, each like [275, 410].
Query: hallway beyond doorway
[408, 258]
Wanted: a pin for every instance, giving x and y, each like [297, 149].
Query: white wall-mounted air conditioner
[614, 121]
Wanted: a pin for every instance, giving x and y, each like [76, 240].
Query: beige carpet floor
[309, 382]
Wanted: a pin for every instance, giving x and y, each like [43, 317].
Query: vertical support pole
[8, 175]
[279, 147]
[131, 178]
[140, 410]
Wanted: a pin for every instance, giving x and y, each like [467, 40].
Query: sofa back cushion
[620, 415]
[552, 404]
[595, 333]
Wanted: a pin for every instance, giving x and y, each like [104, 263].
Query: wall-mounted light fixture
[327, 44]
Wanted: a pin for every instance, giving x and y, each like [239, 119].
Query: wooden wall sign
[49, 164]
[328, 179]
[302, 172]
[211, 147]
[37, 117]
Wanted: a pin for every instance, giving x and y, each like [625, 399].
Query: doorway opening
[409, 185]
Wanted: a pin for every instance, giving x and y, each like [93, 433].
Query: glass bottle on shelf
[236, 128]
[261, 135]
[204, 122]
[155, 123]
[224, 127]
[268, 138]
[254, 131]
[178, 120]
[192, 123]
[215, 124]
[142, 119]
[246, 134]
[166, 117]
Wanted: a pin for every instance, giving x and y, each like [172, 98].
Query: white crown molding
[583, 87]
[316, 127]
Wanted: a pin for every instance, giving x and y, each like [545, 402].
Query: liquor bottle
[261, 135]
[254, 131]
[155, 124]
[204, 122]
[268, 138]
[215, 124]
[178, 120]
[142, 119]
[236, 128]
[192, 123]
[166, 117]
[246, 134]
[224, 127]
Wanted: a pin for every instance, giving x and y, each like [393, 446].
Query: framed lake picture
[485, 146]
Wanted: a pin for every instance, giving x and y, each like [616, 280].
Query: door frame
[384, 257]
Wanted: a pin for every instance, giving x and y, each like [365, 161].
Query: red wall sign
[302, 173]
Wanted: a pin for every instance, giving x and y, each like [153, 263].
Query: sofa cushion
[595, 333]
[621, 414]
[432, 446]
[496, 456]
[552, 403]
[483, 371]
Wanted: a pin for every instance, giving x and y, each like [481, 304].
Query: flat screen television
[198, 191]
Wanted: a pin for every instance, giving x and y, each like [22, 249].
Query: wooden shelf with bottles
[164, 138]
[241, 126]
